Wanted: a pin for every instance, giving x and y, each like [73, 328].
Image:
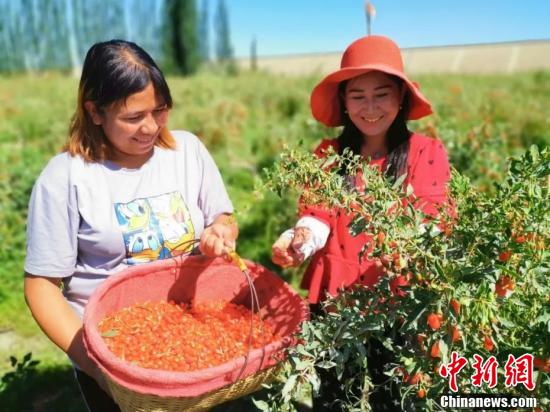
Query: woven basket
[181, 280]
[130, 401]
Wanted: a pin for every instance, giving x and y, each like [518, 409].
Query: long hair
[112, 71]
[397, 137]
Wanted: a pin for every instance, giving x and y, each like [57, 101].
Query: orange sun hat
[364, 55]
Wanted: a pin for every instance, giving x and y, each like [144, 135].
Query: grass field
[244, 120]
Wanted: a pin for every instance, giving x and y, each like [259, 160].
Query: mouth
[371, 119]
[145, 140]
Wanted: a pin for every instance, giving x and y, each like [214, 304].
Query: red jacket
[337, 264]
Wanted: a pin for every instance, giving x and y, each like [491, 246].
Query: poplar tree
[224, 51]
[254, 54]
[204, 44]
[182, 45]
[56, 34]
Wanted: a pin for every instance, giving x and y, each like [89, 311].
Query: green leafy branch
[475, 283]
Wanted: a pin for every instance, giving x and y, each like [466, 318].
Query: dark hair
[112, 71]
[397, 137]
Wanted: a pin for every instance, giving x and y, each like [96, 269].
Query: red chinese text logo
[516, 371]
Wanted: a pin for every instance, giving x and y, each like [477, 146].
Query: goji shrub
[193, 336]
[476, 285]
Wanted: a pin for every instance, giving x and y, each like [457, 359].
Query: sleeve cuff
[319, 235]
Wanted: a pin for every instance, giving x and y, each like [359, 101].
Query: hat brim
[325, 102]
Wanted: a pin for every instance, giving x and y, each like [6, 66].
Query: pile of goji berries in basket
[180, 337]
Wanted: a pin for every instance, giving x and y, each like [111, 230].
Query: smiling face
[132, 127]
[372, 101]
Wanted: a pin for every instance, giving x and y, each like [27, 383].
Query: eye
[135, 118]
[380, 95]
[158, 113]
[136, 244]
[161, 109]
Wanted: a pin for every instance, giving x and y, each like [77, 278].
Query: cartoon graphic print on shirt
[155, 228]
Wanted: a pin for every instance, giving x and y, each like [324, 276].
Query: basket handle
[254, 301]
[254, 306]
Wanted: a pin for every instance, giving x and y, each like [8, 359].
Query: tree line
[37, 35]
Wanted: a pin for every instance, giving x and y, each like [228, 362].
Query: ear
[93, 112]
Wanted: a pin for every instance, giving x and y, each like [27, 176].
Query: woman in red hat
[372, 98]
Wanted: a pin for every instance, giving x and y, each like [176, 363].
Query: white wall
[509, 57]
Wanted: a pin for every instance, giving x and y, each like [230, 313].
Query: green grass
[244, 121]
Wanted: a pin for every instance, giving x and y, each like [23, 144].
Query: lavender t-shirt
[88, 221]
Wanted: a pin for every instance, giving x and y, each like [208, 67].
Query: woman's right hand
[285, 252]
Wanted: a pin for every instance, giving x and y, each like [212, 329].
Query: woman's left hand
[218, 239]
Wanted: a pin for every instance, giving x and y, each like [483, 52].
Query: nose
[370, 104]
[149, 125]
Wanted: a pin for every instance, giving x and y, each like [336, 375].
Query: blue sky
[306, 26]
